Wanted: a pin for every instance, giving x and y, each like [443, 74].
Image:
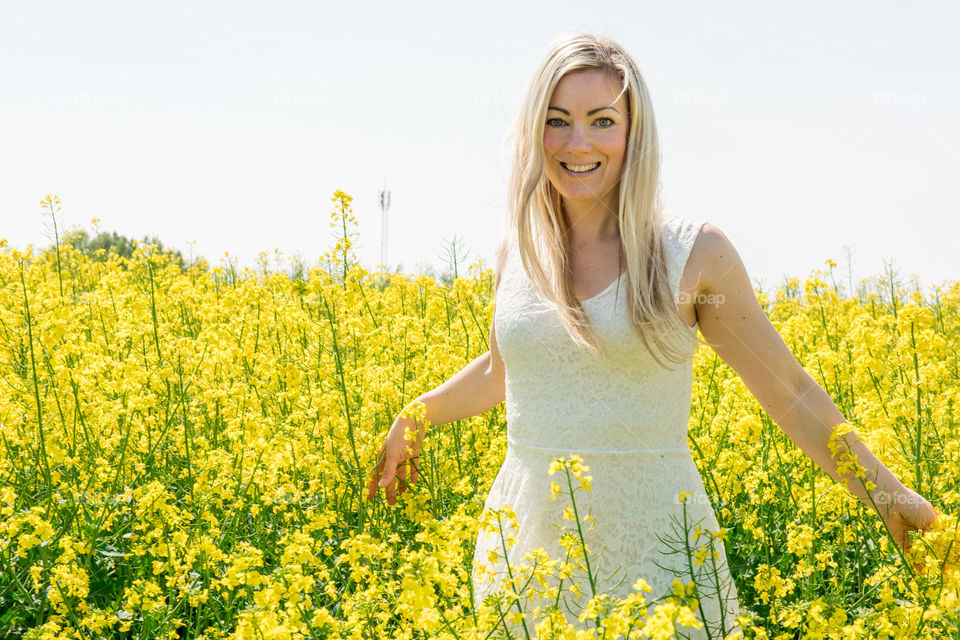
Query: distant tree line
[113, 242]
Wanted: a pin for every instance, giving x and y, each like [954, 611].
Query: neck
[590, 223]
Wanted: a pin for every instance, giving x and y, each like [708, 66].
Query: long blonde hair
[534, 204]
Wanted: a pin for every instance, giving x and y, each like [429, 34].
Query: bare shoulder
[735, 325]
[712, 259]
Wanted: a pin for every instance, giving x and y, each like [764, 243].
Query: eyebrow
[589, 113]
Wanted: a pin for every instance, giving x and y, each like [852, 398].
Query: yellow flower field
[184, 450]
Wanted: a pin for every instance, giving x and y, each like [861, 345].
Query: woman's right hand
[397, 460]
[475, 389]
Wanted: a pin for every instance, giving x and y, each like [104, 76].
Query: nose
[578, 141]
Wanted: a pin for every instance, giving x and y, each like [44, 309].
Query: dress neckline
[666, 219]
[663, 221]
[606, 290]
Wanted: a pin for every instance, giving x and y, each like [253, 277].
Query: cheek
[614, 139]
[617, 148]
[550, 142]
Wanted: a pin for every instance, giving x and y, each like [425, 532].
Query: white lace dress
[627, 418]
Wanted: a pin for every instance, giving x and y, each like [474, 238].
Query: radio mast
[384, 207]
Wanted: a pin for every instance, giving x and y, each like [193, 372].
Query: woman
[598, 299]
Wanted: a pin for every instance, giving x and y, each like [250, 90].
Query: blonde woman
[599, 296]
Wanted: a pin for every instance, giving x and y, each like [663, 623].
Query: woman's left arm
[732, 321]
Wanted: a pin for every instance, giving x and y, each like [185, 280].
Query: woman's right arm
[475, 389]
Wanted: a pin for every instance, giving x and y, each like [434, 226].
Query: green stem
[42, 453]
[689, 557]
[506, 561]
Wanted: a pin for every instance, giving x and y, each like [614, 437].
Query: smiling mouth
[580, 169]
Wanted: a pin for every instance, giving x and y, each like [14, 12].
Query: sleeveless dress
[627, 418]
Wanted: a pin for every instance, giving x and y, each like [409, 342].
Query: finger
[413, 472]
[407, 478]
[374, 483]
[402, 478]
[388, 472]
[390, 489]
[390, 493]
[375, 474]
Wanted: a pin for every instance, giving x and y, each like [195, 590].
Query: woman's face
[585, 137]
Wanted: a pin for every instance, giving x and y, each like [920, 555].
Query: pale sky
[796, 129]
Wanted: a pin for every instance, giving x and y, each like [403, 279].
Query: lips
[580, 169]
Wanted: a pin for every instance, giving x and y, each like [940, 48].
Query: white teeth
[581, 168]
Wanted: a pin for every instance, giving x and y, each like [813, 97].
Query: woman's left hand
[904, 511]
